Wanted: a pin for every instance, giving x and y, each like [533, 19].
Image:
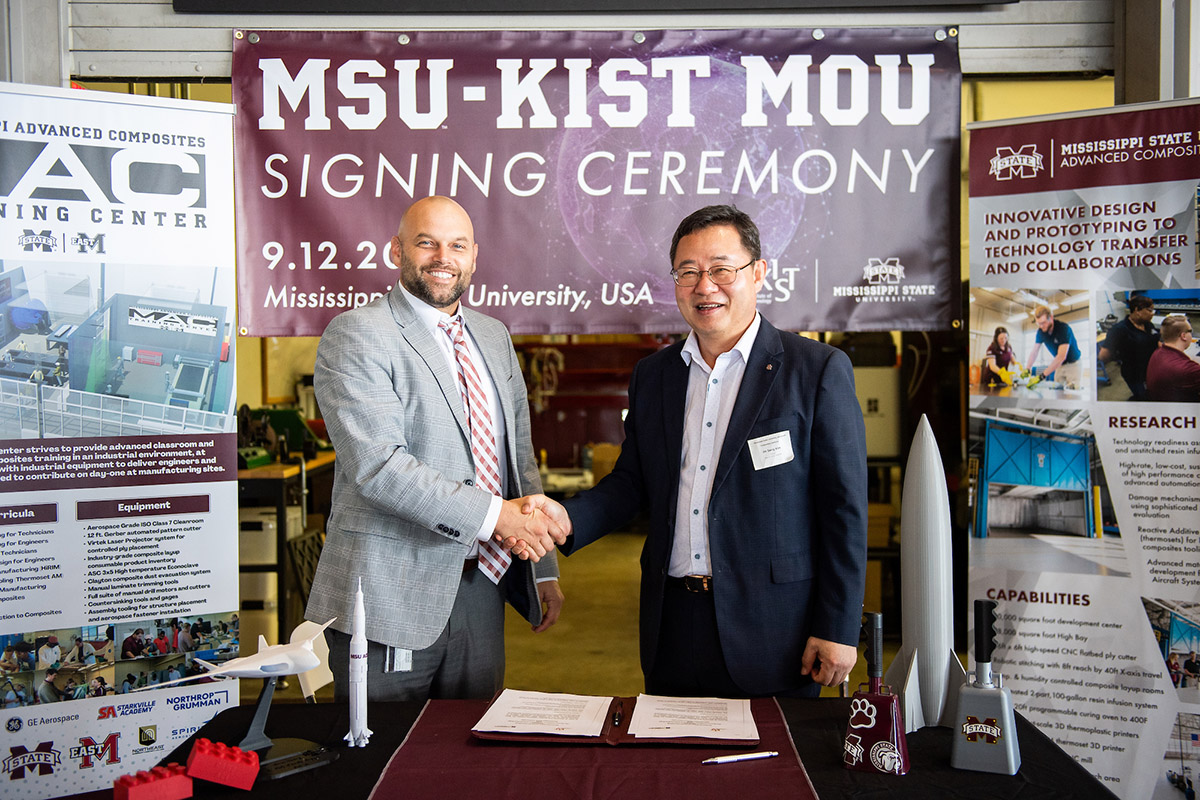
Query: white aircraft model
[292, 658]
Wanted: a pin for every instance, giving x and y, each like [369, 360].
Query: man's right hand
[529, 535]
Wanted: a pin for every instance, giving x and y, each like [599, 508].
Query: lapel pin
[769, 366]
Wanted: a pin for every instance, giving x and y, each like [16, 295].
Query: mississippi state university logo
[878, 271]
[1023, 163]
[42, 241]
[986, 731]
[885, 757]
[42, 759]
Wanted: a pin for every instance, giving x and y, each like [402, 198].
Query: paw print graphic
[862, 713]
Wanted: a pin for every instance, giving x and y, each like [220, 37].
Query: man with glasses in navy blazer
[746, 445]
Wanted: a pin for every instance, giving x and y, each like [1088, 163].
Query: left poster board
[118, 452]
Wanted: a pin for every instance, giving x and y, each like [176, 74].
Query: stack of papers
[654, 717]
[543, 712]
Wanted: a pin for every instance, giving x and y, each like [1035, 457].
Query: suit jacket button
[469, 482]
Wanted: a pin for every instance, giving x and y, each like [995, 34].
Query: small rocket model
[359, 733]
[926, 670]
[875, 739]
[986, 737]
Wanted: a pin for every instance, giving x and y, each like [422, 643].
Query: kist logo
[878, 271]
[987, 730]
[40, 240]
[44, 758]
[1023, 163]
[88, 244]
[88, 750]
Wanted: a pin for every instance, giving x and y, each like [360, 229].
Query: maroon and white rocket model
[359, 733]
[926, 671]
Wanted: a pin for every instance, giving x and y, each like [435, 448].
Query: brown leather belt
[701, 584]
[470, 565]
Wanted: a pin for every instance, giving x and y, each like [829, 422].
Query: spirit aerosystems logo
[1023, 163]
[23, 761]
[884, 281]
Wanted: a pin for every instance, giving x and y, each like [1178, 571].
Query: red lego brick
[160, 783]
[219, 763]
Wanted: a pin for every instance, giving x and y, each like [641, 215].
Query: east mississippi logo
[89, 751]
[44, 758]
[1023, 163]
[987, 730]
[883, 282]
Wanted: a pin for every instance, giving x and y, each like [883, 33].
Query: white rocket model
[359, 733]
[926, 671]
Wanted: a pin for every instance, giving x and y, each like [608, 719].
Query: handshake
[529, 527]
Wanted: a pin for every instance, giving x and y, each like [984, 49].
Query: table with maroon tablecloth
[816, 728]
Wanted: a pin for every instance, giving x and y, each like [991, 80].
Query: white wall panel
[147, 39]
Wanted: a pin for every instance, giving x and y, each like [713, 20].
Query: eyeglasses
[721, 275]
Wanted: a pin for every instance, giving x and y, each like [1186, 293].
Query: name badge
[398, 660]
[771, 450]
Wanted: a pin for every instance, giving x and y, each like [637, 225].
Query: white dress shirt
[711, 393]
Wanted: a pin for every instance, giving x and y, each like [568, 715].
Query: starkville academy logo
[44, 758]
[1023, 163]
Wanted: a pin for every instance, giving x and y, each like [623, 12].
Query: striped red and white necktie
[493, 561]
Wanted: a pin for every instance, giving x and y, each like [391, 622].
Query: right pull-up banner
[1084, 452]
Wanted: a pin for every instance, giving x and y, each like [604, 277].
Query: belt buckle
[697, 583]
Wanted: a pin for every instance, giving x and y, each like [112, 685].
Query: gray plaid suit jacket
[405, 507]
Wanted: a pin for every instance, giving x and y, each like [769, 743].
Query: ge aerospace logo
[1023, 163]
[13, 725]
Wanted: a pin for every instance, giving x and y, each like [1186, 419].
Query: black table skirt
[817, 727]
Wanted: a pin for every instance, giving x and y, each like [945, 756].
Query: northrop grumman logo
[37, 240]
[988, 730]
[1008, 163]
[879, 271]
[88, 244]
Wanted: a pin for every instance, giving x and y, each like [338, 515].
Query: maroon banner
[578, 152]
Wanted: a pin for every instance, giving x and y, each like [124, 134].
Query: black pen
[616, 717]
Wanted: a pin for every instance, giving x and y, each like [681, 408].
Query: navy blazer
[788, 543]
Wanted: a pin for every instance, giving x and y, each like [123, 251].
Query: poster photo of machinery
[1132, 330]
[153, 345]
[1040, 493]
[1029, 345]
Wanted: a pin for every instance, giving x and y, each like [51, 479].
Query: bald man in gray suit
[409, 516]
